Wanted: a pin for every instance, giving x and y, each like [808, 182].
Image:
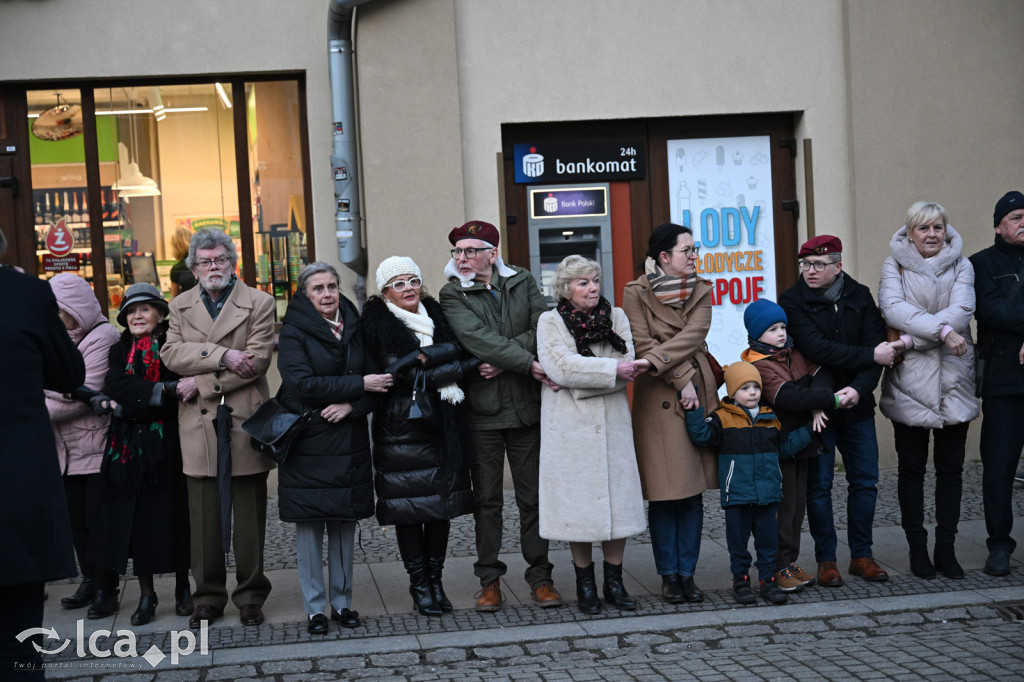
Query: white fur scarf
[420, 324]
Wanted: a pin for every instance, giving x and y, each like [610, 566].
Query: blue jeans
[676, 526]
[761, 521]
[1002, 438]
[859, 446]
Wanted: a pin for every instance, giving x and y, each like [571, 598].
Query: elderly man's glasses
[471, 252]
[401, 285]
[207, 263]
[817, 266]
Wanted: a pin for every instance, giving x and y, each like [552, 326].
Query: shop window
[277, 188]
[61, 210]
[167, 167]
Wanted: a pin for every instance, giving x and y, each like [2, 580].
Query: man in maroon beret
[835, 323]
[493, 309]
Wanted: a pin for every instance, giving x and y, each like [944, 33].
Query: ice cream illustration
[752, 182]
[741, 201]
[737, 158]
[702, 190]
[681, 159]
[720, 157]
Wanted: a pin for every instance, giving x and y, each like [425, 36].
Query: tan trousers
[249, 530]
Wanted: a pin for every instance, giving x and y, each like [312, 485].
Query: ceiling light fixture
[225, 100]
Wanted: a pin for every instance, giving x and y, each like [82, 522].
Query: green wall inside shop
[73, 150]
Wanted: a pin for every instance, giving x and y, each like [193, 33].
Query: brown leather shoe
[489, 599]
[868, 568]
[828, 574]
[206, 612]
[546, 595]
[250, 614]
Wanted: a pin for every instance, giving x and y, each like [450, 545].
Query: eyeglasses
[206, 263]
[400, 285]
[688, 252]
[470, 252]
[817, 266]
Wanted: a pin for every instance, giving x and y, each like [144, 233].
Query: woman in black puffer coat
[326, 481]
[421, 470]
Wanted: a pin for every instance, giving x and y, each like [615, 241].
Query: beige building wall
[902, 100]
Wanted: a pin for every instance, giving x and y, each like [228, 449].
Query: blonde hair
[924, 212]
[180, 239]
[572, 267]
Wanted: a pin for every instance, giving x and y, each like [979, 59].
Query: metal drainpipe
[348, 221]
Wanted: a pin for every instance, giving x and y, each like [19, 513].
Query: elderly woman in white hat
[421, 472]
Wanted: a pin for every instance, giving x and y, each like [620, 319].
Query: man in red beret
[835, 323]
[493, 309]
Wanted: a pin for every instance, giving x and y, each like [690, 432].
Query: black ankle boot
[920, 564]
[690, 589]
[435, 567]
[945, 561]
[83, 596]
[586, 589]
[105, 604]
[419, 588]
[147, 607]
[183, 604]
[614, 591]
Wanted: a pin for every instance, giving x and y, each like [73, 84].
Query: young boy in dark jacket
[800, 392]
[749, 442]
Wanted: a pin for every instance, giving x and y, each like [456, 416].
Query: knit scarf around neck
[588, 328]
[668, 289]
[834, 291]
[765, 349]
[422, 327]
[136, 451]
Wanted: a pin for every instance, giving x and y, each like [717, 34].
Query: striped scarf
[670, 290]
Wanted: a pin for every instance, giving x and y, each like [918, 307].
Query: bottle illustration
[683, 202]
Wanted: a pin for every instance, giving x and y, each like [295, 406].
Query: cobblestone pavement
[949, 643]
[905, 629]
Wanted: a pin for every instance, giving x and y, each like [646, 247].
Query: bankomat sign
[579, 161]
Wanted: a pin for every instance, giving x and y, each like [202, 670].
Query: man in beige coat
[220, 341]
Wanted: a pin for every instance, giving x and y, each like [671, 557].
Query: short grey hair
[572, 267]
[924, 212]
[316, 268]
[209, 238]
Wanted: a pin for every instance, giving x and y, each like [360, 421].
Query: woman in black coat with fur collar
[421, 472]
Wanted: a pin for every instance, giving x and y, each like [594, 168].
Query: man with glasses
[220, 341]
[493, 309]
[835, 323]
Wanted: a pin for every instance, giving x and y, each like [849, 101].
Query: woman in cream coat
[669, 311]
[589, 484]
[927, 293]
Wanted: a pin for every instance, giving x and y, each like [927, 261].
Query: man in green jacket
[493, 309]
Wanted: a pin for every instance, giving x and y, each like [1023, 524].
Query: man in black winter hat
[999, 289]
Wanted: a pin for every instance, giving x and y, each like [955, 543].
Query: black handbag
[274, 428]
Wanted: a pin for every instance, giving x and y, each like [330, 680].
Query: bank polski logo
[550, 203]
[126, 645]
[533, 164]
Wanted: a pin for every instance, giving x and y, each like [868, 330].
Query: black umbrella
[222, 424]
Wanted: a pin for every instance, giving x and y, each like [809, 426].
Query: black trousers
[422, 540]
[1002, 439]
[84, 497]
[912, 451]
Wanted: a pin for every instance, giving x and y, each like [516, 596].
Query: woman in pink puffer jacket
[81, 437]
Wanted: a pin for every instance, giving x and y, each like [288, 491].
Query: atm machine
[569, 219]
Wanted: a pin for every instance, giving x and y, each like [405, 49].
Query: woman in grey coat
[927, 293]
